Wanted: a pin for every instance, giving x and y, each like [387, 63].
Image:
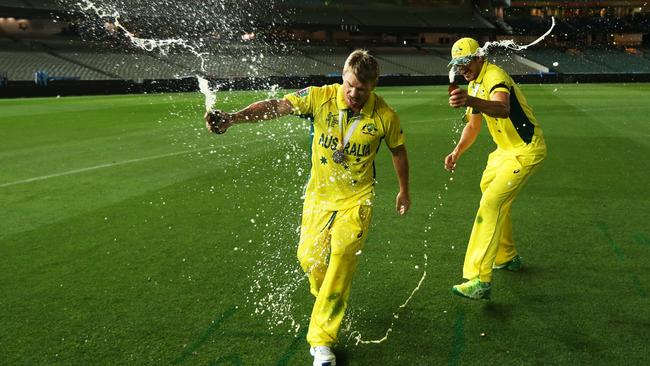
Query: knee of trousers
[344, 260]
[310, 257]
[493, 203]
[489, 204]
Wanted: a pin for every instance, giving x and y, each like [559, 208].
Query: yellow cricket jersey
[520, 132]
[333, 186]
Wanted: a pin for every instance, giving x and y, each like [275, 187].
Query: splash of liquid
[273, 286]
[452, 74]
[162, 45]
[209, 93]
[357, 335]
[508, 44]
[511, 45]
[147, 44]
[278, 304]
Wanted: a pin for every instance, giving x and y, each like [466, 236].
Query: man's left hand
[402, 203]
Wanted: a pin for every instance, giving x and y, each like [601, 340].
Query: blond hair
[363, 66]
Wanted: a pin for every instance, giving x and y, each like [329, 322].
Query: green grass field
[129, 235]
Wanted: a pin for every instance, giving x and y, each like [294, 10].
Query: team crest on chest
[369, 129]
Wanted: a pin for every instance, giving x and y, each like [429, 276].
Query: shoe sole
[486, 295]
[324, 363]
[507, 267]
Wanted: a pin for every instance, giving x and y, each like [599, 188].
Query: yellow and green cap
[463, 51]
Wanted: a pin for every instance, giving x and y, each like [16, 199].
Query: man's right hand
[218, 121]
[459, 98]
[450, 161]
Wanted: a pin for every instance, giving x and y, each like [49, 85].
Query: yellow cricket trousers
[328, 252]
[491, 239]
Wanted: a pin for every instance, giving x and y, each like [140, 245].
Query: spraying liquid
[511, 45]
[209, 93]
[357, 335]
[506, 43]
[147, 44]
[452, 84]
[162, 45]
[276, 302]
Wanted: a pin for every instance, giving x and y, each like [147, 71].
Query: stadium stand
[570, 61]
[444, 15]
[88, 62]
[513, 64]
[315, 37]
[330, 59]
[125, 66]
[618, 61]
[589, 61]
[21, 60]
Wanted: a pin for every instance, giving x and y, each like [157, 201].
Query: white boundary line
[109, 165]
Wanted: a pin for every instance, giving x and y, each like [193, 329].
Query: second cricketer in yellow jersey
[493, 95]
[349, 123]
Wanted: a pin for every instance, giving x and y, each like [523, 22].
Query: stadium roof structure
[40, 4]
[578, 3]
[22, 8]
[385, 17]
[445, 15]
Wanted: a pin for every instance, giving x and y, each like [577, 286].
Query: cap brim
[464, 60]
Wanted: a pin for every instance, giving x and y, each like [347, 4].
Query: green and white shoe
[512, 265]
[473, 289]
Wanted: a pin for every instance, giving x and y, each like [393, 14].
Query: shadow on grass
[342, 357]
[494, 310]
[508, 280]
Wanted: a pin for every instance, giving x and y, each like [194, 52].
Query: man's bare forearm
[401, 164]
[468, 136]
[262, 111]
[493, 108]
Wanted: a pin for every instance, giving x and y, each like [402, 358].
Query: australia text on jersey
[351, 148]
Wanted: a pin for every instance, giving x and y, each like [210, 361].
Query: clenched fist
[218, 121]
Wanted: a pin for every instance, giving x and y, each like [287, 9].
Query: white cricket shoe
[323, 356]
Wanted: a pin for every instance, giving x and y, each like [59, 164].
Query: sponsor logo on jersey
[303, 92]
[330, 120]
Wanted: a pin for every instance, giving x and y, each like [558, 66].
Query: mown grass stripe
[205, 336]
[458, 344]
[293, 347]
[621, 256]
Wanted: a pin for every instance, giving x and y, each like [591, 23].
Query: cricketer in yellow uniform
[338, 197]
[494, 96]
[349, 122]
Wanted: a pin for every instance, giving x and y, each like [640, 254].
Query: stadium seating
[87, 62]
[21, 65]
[512, 65]
[445, 15]
[125, 66]
[90, 62]
[573, 62]
[619, 61]
[591, 60]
